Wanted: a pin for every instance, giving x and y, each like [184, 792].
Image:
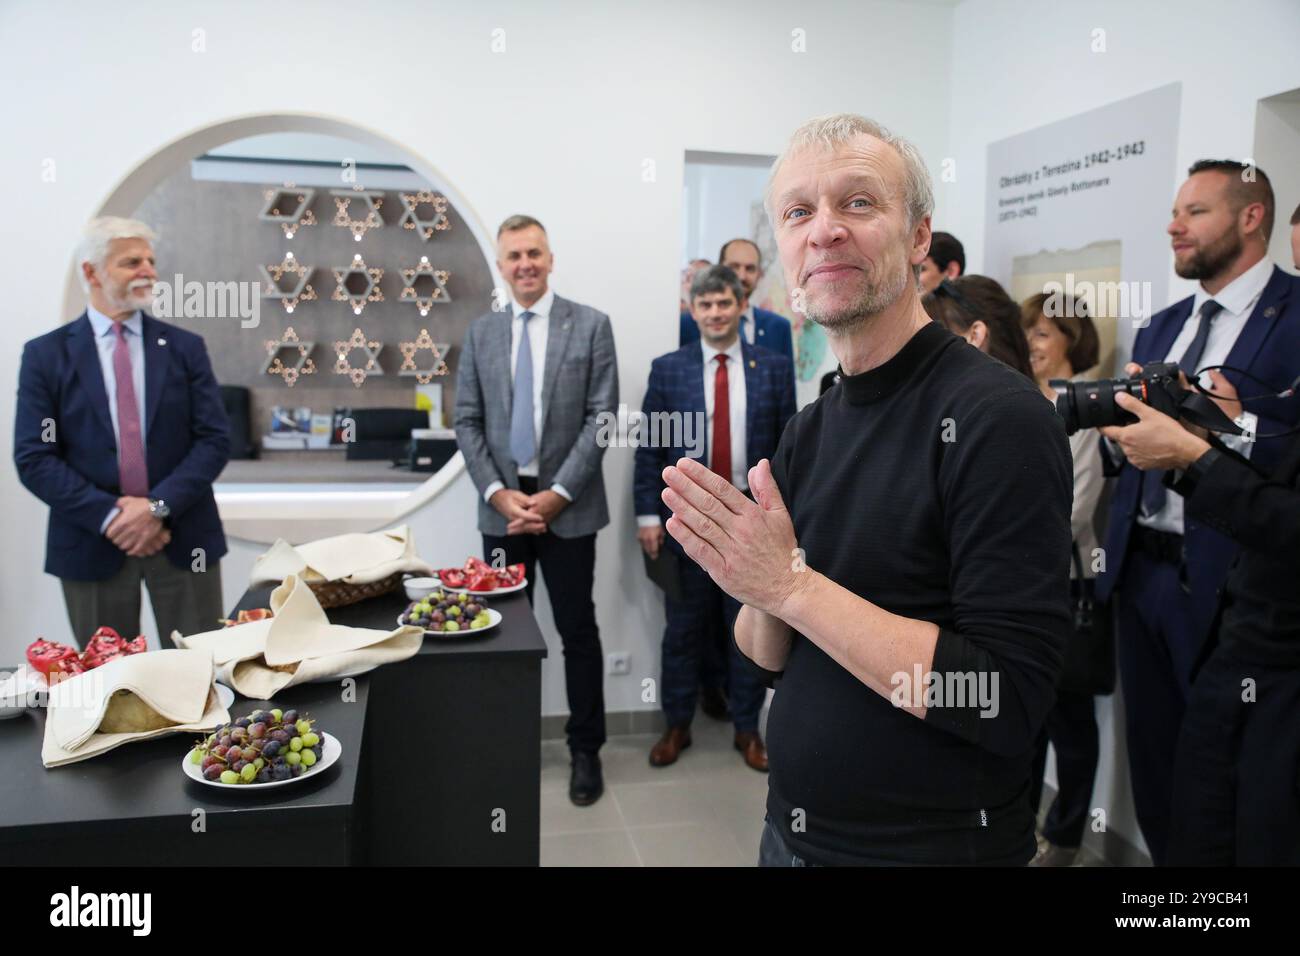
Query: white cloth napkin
[297, 645]
[351, 558]
[173, 691]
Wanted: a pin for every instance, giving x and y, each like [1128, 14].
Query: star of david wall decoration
[426, 226]
[409, 349]
[343, 363]
[424, 285]
[291, 292]
[357, 284]
[288, 207]
[343, 218]
[289, 373]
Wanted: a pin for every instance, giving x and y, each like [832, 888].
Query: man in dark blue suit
[729, 402]
[1165, 570]
[757, 326]
[120, 429]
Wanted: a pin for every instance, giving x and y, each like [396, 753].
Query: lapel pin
[162, 341]
[1270, 312]
[753, 364]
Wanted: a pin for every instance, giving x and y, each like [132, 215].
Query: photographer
[1163, 568]
[1235, 797]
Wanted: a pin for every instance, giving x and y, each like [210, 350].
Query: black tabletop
[144, 780]
[516, 634]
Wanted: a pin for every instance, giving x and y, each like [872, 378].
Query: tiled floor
[704, 810]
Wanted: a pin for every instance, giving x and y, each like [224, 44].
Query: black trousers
[1237, 767]
[1156, 648]
[569, 565]
[1072, 729]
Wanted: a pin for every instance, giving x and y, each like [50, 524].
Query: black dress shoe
[714, 703]
[585, 782]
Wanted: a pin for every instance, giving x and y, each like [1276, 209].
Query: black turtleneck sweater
[938, 487]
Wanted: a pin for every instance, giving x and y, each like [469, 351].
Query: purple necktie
[133, 472]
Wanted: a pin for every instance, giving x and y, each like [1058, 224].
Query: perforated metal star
[288, 207]
[295, 290]
[423, 341]
[290, 373]
[411, 218]
[343, 351]
[424, 285]
[342, 218]
[348, 279]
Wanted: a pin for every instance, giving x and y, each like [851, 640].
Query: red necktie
[721, 459]
[133, 474]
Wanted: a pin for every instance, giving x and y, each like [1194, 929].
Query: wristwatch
[158, 508]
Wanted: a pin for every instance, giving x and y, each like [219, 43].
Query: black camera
[1092, 404]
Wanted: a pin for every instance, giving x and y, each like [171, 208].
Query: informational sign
[1081, 206]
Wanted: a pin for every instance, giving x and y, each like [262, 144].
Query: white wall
[1019, 64]
[559, 126]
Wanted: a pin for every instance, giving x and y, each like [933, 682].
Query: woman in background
[1063, 344]
[981, 312]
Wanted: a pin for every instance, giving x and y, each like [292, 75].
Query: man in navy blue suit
[742, 395]
[757, 326]
[120, 429]
[1166, 570]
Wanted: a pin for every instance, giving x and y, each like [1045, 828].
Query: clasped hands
[747, 547]
[135, 530]
[527, 514]
[1158, 441]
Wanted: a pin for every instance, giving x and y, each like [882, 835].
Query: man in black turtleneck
[904, 569]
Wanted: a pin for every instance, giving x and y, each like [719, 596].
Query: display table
[441, 765]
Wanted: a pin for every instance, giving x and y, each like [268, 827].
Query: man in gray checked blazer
[533, 381]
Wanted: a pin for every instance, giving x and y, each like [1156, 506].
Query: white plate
[23, 688]
[225, 696]
[330, 752]
[494, 618]
[487, 594]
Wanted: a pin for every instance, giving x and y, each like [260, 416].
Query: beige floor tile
[689, 844]
[559, 815]
[607, 848]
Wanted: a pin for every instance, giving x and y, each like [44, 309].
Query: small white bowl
[418, 588]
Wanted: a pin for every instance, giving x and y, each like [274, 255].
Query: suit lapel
[1267, 311]
[1163, 337]
[760, 329]
[157, 360]
[749, 359]
[496, 343]
[84, 352]
[695, 392]
[560, 325]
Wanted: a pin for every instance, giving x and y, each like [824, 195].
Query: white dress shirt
[736, 399]
[748, 324]
[538, 330]
[1238, 299]
[105, 343]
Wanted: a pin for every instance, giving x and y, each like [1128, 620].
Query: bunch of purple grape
[265, 747]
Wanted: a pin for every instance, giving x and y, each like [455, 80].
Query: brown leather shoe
[751, 748]
[670, 746]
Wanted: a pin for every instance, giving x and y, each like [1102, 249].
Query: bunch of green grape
[265, 747]
[448, 612]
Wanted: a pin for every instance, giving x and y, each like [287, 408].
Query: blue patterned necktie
[523, 440]
[1154, 493]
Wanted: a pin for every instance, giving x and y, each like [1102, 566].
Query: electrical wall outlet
[620, 663]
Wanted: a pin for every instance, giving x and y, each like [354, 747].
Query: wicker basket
[341, 594]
